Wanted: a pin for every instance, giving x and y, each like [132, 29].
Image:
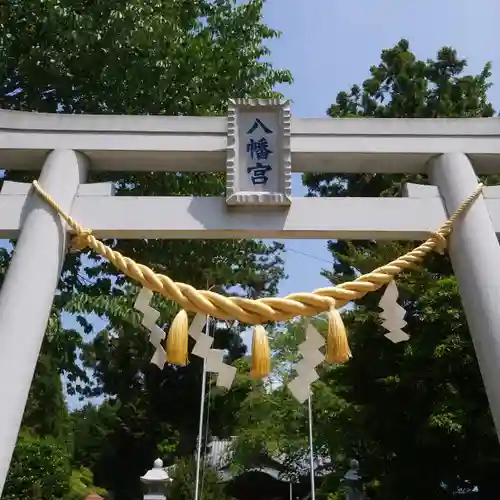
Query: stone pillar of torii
[258, 145]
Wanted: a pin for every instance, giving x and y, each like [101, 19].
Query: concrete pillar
[475, 256]
[28, 291]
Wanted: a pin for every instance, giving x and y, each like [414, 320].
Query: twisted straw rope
[256, 312]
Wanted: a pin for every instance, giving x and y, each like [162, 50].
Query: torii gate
[258, 204]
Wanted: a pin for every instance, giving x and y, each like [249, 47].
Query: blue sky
[330, 44]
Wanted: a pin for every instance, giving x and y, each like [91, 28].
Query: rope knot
[81, 240]
[440, 241]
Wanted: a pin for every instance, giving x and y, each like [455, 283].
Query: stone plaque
[258, 163]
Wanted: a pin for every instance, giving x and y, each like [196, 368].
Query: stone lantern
[353, 481]
[155, 481]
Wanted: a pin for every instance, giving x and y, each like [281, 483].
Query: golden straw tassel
[337, 345]
[261, 354]
[177, 340]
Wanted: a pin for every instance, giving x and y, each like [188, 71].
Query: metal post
[475, 256]
[311, 446]
[28, 291]
[202, 416]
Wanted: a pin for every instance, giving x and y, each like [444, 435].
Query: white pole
[311, 446]
[291, 490]
[475, 254]
[28, 291]
[202, 416]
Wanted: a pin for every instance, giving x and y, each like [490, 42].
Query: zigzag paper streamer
[150, 317]
[214, 357]
[393, 314]
[312, 357]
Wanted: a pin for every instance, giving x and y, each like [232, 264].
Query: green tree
[39, 470]
[92, 427]
[137, 57]
[46, 413]
[182, 487]
[169, 57]
[416, 413]
[81, 484]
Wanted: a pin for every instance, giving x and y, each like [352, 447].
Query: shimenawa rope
[267, 309]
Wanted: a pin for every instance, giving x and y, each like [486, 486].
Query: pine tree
[415, 413]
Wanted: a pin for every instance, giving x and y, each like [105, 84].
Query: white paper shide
[202, 348]
[393, 314]
[312, 357]
[149, 319]
[214, 357]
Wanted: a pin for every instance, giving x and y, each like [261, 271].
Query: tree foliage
[415, 413]
[81, 484]
[135, 57]
[39, 470]
[183, 476]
